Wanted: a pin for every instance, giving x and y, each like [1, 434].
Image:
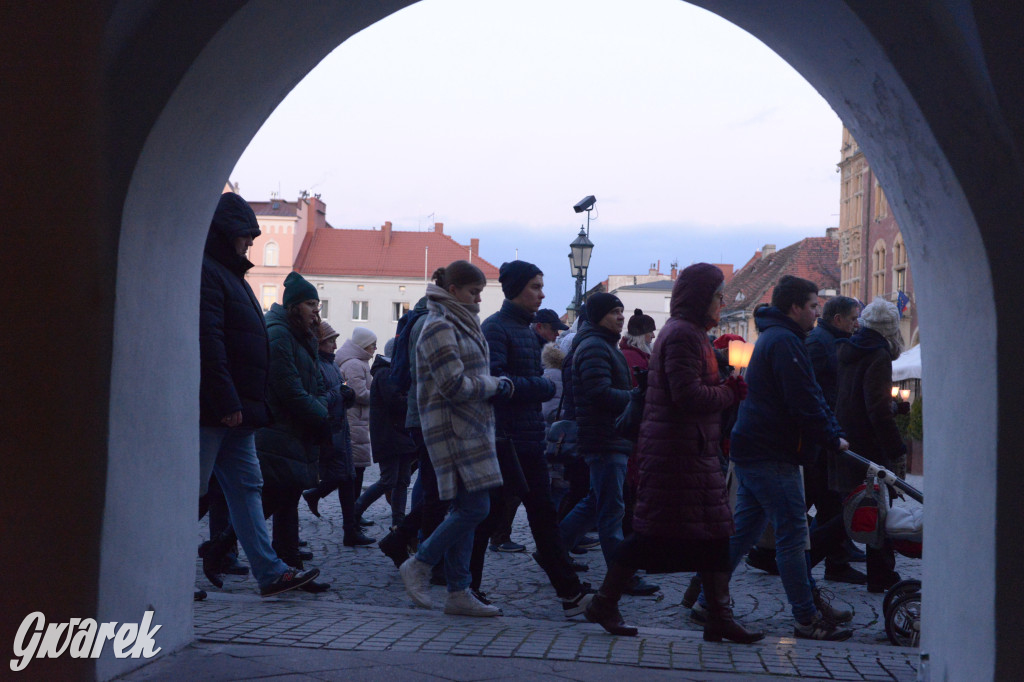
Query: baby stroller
[870, 518]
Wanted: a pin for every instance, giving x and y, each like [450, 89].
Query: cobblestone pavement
[367, 608]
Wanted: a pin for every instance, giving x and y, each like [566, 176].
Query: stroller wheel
[903, 622]
[900, 589]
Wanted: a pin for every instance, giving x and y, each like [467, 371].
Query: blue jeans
[231, 455]
[453, 539]
[773, 492]
[395, 474]
[603, 505]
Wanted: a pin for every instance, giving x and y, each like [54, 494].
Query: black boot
[357, 539]
[394, 547]
[604, 608]
[720, 623]
[214, 553]
[312, 498]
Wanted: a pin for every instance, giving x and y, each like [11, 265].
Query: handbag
[561, 446]
[511, 470]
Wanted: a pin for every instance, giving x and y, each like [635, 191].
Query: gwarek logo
[81, 638]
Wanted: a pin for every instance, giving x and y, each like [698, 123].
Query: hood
[380, 362]
[233, 218]
[325, 356]
[770, 316]
[692, 292]
[624, 346]
[277, 314]
[864, 342]
[350, 350]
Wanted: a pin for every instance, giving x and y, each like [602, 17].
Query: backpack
[401, 377]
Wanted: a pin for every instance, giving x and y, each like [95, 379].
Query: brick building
[813, 258]
[872, 256]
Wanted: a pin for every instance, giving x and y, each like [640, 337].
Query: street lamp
[579, 261]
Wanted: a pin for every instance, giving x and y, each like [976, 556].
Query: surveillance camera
[585, 204]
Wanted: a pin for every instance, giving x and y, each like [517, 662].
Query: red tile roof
[813, 258]
[363, 253]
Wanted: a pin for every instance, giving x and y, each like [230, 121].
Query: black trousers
[282, 503]
[543, 517]
[426, 516]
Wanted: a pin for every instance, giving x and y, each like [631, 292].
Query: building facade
[873, 258]
[370, 278]
[813, 258]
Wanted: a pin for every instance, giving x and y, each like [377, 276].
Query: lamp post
[579, 261]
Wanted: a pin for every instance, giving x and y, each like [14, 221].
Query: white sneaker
[465, 604]
[416, 577]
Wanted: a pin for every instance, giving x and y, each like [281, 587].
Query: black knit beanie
[640, 324]
[600, 304]
[515, 275]
[297, 289]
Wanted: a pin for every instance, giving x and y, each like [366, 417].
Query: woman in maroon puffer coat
[682, 520]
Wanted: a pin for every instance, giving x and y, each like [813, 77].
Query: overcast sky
[496, 116]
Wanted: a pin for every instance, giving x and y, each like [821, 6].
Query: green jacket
[297, 397]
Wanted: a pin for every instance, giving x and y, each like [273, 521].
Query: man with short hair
[234, 361]
[515, 353]
[548, 325]
[781, 425]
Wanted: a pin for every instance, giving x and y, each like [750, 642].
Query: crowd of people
[680, 463]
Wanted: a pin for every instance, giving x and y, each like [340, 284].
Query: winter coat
[289, 449]
[453, 390]
[234, 353]
[336, 441]
[681, 492]
[600, 380]
[635, 358]
[388, 436]
[864, 407]
[569, 404]
[515, 353]
[354, 363]
[821, 347]
[784, 417]
[551, 358]
[412, 412]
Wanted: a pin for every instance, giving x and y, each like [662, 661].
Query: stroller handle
[887, 476]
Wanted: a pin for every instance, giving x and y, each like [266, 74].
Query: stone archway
[185, 95]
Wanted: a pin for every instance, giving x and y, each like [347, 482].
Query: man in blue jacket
[515, 353]
[234, 361]
[783, 424]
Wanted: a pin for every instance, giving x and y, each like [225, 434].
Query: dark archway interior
[122, 114]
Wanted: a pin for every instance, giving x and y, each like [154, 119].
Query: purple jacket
[681, 492]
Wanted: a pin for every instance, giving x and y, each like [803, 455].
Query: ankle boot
[604, 608]
[692, 592]
[720, 624]
[214, 554]
[312, 498]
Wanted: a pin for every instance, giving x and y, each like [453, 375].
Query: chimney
[474, 247]
[439, 228]
[675, 271]
[653, 270]
[768, 251]
[386, 229]
[832, 232]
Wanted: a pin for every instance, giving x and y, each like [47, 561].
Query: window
[399, 308]
[881, 203]
[270, 253]
[360, 311]
[268, 295]
[323, 309]
[878, 270]
[899, 264]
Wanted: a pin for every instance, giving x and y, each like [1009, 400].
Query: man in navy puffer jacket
[515, 353]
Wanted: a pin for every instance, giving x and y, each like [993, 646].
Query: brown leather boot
[720, 624]
[604, 608]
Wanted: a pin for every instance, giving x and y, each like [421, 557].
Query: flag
[901, 303]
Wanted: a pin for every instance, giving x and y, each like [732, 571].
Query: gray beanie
[389, 347]
[882, 316]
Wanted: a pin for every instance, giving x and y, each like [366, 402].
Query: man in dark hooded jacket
[515, 353]
[234, 361]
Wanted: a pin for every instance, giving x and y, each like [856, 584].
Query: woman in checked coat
[454, 387]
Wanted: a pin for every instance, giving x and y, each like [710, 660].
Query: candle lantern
[895, 392]
[905, 394]
[739, 353]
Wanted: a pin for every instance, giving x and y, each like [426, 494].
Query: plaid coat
[453, 388]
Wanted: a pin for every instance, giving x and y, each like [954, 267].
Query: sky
[496, 116]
